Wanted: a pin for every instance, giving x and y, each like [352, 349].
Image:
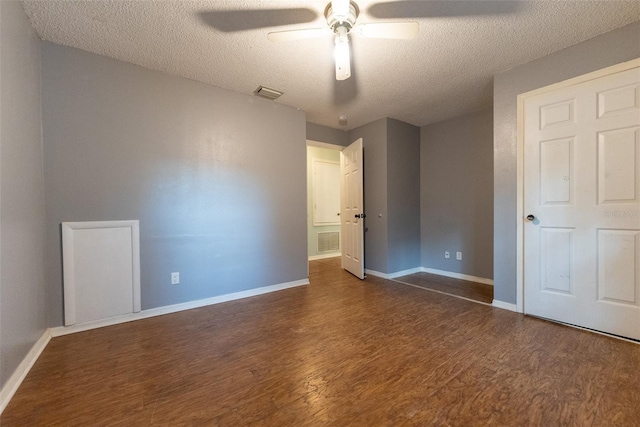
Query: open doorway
[323, 200]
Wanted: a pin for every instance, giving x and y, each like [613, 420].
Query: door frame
[624, 66]
[319, 144]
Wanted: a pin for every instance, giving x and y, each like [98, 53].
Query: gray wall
[456, 202]
[391, 194]
[608, 49]
[22, 218]
[374, 140]
[217, 179]
[326, 134]
[403, 195]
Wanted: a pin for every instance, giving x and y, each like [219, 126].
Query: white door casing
[582, 184]
[351, 172]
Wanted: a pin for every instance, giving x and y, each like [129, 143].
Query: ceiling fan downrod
[340, 15]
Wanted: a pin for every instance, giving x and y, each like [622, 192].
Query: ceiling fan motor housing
[335, 21]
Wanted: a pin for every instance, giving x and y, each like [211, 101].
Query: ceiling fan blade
[240, 20]
[388, 30]
[440, 8]
[309, 33]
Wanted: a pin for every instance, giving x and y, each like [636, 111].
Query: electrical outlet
[447, 254]
[459, 256]
[175, 278]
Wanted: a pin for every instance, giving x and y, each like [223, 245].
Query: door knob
[531, 217]
[363, 216]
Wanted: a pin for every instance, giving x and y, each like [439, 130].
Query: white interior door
[351, 212]
[582, 199]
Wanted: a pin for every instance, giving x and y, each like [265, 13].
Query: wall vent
[328, 241]
[268, 93]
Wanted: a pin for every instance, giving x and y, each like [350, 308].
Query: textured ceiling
[447, 70]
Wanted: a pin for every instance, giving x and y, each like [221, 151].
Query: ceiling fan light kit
[341, 16]
[342, 56]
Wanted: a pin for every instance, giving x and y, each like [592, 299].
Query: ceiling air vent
[268, 93]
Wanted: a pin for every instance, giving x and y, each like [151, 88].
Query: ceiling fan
[341, 16]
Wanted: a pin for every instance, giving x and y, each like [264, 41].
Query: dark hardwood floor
[462, 288]
[335, 353]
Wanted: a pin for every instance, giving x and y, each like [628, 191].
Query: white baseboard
[323, 256]
[504, 305]
[159, 311]
[404, 272]
[376, 273]
[394, 274]
[458, 276]
[12, 385]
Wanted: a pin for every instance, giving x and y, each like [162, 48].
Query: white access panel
[101, 262]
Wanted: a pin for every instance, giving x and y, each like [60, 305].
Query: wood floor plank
[337, 352]
[463, 288]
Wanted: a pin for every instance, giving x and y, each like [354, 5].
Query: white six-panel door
[582, 185]
[351, 210]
